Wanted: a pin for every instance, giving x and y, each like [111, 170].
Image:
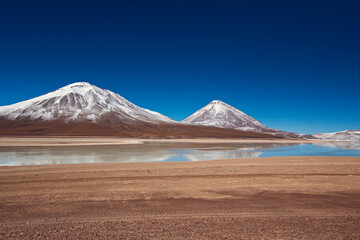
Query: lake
[161, 152]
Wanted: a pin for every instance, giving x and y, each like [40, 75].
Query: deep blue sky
[293, 65]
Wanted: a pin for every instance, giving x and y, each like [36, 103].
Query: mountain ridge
[81, 108]
[223, 115]
[220, 114]
[84, 109]
[80, 101]
[348, 135]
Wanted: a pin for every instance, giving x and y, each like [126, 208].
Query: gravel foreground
[194, 228]
[260, 198]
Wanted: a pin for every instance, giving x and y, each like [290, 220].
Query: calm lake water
[151, 152]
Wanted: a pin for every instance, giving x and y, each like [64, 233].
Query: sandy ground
[73, 141]
[259, 198]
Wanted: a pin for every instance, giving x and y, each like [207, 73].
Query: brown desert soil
[255, 198]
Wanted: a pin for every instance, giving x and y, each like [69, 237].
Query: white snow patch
[77, 101]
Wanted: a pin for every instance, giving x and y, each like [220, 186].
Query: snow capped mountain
[220, 114]
[80, 101]
[96, 111]
[349, 135]
[83, 109]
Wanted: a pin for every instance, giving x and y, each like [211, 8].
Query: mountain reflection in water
[158, 152]
[343, 145]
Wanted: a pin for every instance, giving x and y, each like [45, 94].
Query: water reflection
[343, 145]
[201, 156]
[81, 154]
[152, 152]
[239, 151]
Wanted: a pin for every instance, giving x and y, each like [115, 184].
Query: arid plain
[254, 198]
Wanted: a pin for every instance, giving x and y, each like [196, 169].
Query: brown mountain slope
[111, 126]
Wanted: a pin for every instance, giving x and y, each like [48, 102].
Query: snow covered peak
[348, 135]
[220, 114]
[78, 87]
[79, 101]
[79, 84]
[218, 106]
[217, 102]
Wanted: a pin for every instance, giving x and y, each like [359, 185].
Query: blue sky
[293, 65]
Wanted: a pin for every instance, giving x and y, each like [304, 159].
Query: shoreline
[248, 161]
[37, 141]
